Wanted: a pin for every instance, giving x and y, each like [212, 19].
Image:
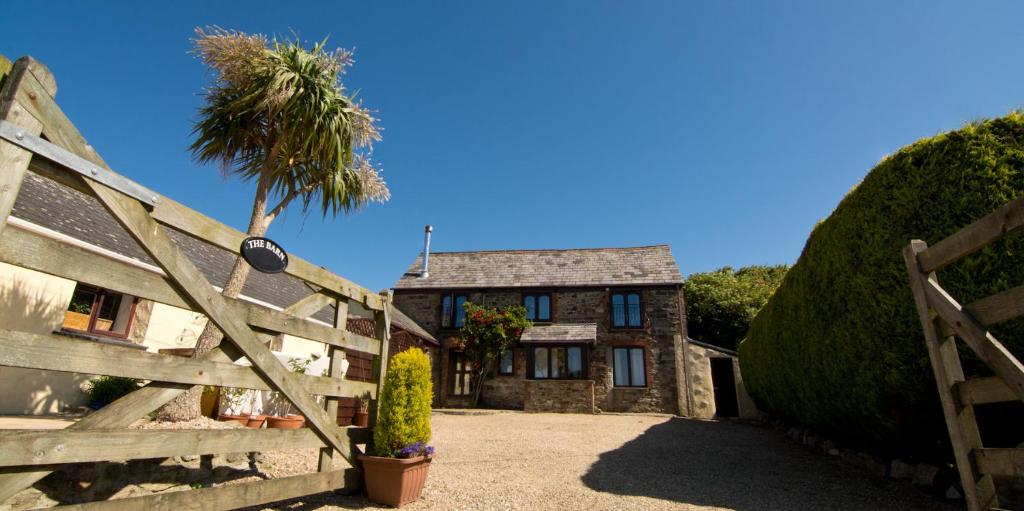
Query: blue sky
[725, 129]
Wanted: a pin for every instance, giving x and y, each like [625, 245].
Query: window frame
[536, 297]
[499, 371]
[625, 304]
[448, 320]
[531, 361]
[99, 293]
[629, 367]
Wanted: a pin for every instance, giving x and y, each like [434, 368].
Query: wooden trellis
[943, 320]
[36, 136]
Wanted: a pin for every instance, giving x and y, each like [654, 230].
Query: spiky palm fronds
[278, 112]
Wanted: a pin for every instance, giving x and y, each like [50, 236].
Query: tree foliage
[278, 112]
[486, 333]
[404, 416]
[721, 304]
[839, 346]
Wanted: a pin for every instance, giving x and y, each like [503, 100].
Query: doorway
[724, 382]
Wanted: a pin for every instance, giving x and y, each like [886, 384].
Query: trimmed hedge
[839, 346]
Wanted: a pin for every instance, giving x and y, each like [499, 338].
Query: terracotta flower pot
[361, 419]
[241, 419]
[395, 481]
[255, 421]
[287, 422]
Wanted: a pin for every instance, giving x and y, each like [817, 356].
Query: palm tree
[277, 113]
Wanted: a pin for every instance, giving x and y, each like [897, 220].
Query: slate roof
[710, 346]
[49, 204]
[560, 332]
[630, 266]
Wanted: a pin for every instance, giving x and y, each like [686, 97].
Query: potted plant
[362, 416]
[288, 421]
[281, 419]
[235, 398]
[397, 471]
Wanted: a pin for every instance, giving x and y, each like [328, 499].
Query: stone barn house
[609, 327]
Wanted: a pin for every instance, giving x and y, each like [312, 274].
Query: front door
[461, 374]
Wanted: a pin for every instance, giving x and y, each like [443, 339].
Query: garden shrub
[106, 389]
[404, 415]
[839, 346]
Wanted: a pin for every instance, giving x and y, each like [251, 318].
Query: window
[538, 307]
[557, 363]
[626, 312]
[506, 364]
[452, 313]
[462, 375]
[99, 311]
[630, 368]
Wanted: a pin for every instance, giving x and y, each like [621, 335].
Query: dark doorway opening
[724, 382]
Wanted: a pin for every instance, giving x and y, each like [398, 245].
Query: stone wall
[663, 320]
[562, 396]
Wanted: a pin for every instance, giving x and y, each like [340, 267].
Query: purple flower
[415, 449]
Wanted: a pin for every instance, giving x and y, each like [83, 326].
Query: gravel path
[643, 462]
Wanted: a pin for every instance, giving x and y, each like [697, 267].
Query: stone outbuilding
[716, 387]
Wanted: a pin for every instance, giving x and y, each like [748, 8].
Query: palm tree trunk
[186, 406]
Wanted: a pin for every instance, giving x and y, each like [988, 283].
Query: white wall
[172, 327]
[31, 301]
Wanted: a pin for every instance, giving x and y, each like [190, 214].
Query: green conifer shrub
[404, 416]
[839, 346]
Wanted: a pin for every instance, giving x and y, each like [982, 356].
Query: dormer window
[626, 309]
[538, 307]
[452, 312]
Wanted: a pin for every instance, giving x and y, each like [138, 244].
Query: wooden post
[382, 331]
[13, 159]
[335, 357]
[979, 489]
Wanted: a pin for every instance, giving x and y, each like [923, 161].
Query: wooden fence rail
[943, 320]
[36, 136]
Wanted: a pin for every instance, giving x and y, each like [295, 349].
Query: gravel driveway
[598, 462]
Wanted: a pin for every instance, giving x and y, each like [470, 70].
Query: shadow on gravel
[745, 468]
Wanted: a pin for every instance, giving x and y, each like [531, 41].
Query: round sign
[264, 255]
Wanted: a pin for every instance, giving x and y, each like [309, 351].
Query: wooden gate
[943, 320]
[36, 136]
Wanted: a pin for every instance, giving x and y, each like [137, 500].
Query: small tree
[277, 114]
[486, 333]
[404, 415]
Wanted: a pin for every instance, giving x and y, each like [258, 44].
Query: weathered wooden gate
[943, 320]
[36, 136]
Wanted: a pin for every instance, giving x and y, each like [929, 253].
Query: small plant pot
[255, 421]
[241, 419]
[287, 422]
[361, 419]
[394, 481]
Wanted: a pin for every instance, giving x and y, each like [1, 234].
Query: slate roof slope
[650, 265]
[49, 204]
[560, 332]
